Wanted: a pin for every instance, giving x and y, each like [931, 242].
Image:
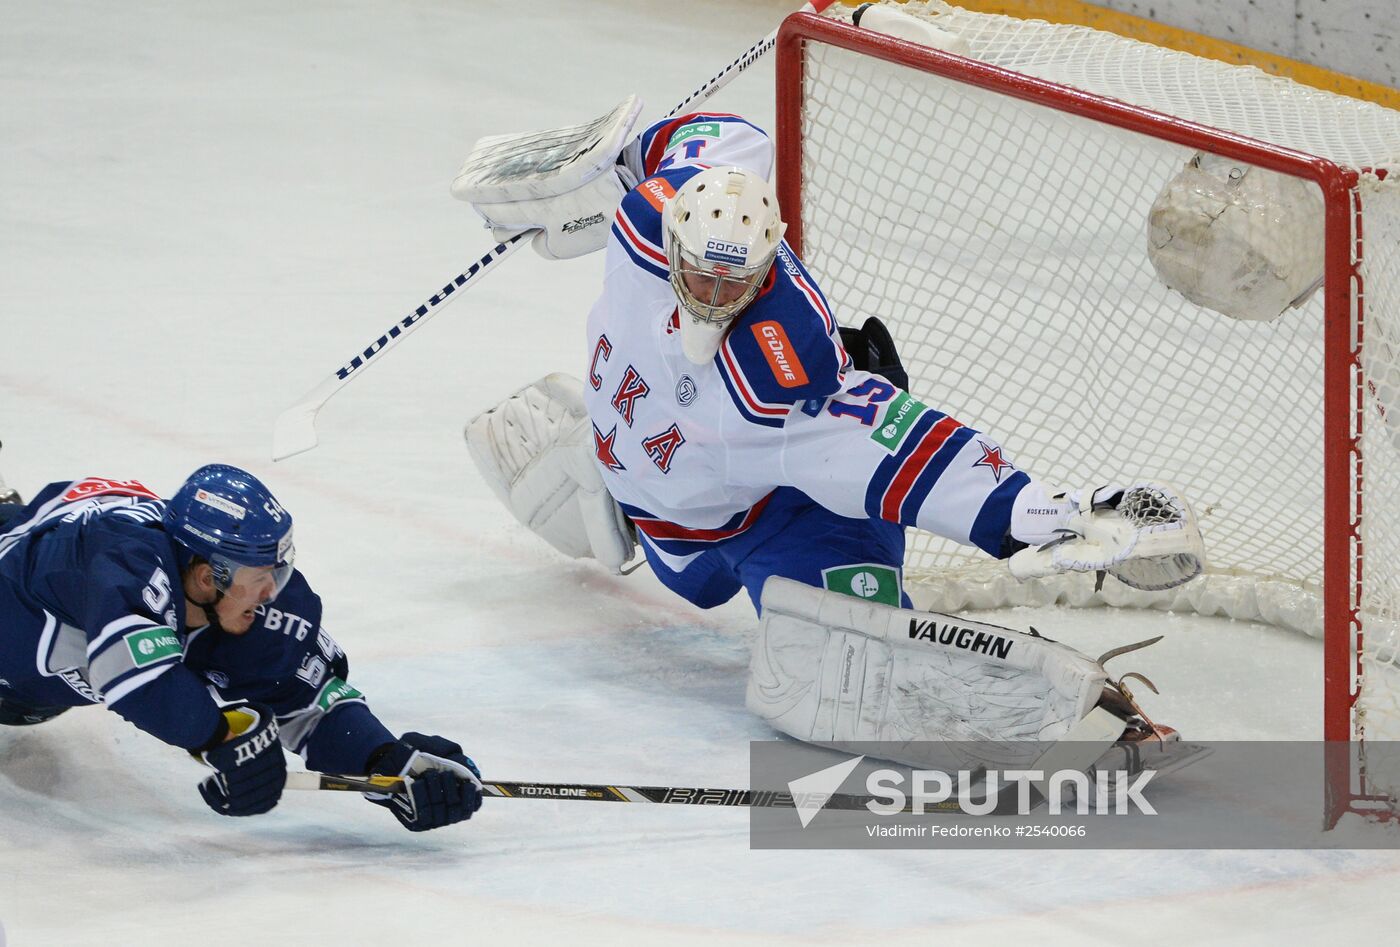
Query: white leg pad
[831, 668]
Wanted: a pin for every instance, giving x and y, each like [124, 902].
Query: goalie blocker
[534, 450]
[564, 183]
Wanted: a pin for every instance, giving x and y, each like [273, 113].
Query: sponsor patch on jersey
[657, 191]
[779, 352]
[722, 251]
[99, 486]
[219, 503]
[899, 418]
[152, 645]
[868, 581]
[694, 130]
[335, 691]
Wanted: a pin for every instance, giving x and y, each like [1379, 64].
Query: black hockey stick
[295, 428]
[658, 795]
[1086, 746]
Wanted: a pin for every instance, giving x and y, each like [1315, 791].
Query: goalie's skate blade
[1162, 757]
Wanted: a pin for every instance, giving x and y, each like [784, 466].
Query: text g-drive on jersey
[691, 452]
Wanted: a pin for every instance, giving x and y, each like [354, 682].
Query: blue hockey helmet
[227, 517]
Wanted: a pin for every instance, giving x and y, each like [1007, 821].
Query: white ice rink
[207, 206]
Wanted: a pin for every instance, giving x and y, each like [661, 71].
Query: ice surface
[205, 207]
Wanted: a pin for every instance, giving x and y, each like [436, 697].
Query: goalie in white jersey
[726, 417]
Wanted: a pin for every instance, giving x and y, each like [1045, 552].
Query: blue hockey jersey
[92, 611]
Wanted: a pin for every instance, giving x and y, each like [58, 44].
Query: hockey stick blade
[295, 429]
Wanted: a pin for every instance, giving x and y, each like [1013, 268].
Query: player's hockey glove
[250, 770]
[871, 348]
[443, 785]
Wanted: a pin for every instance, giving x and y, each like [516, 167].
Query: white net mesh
[1378, 705]
[1004, 243]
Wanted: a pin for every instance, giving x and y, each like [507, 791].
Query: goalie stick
[295, 429]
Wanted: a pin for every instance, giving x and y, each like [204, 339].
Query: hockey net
[998, 224]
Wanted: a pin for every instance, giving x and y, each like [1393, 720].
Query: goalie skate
[1152, 747]
[1144, 743]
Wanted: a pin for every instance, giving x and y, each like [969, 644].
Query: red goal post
[852, 104]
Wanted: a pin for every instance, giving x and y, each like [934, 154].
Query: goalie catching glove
[1144, 535]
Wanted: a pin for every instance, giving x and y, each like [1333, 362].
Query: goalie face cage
[997, 222]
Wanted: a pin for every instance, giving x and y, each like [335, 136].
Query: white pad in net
[1145, 535]
[831, 668]
[896, 23]
[535, 452]
[564, 182]
[1240, 240]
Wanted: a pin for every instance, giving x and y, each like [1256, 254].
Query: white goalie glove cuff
[1040, 513]
[535, 452]
[564, 182]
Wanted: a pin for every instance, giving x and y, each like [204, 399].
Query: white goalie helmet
[721, 231]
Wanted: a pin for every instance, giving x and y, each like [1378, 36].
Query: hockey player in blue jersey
[749, 443]
[188, 618]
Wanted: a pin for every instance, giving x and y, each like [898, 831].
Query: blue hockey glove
[250, 769]
[443, 785]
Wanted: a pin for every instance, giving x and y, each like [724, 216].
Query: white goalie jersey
[693, 452]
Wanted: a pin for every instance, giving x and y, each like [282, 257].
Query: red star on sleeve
[991, 457]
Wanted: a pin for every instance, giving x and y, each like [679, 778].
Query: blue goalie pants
[798, 539]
